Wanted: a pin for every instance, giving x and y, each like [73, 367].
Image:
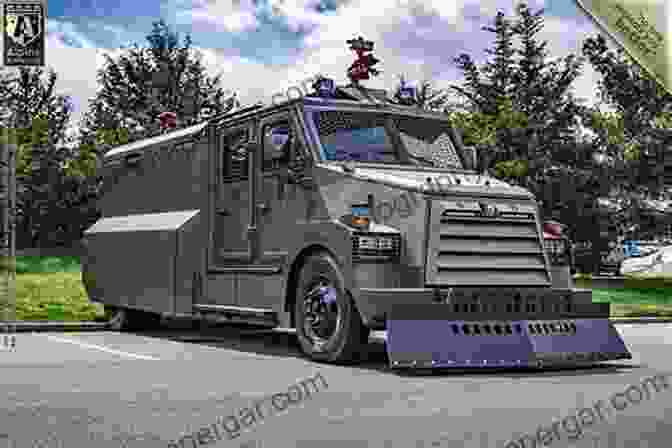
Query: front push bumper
[434, 336]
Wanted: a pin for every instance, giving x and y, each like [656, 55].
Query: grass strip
[39, 265]
[54, 296]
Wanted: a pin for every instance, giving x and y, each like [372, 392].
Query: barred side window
[234, 157]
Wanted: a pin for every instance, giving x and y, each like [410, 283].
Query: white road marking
[102, 349]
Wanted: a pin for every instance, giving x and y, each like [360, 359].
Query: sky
[262, 47]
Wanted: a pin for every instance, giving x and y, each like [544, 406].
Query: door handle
[223, 212]
[263, 208]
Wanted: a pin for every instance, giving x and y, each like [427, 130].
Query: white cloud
[252, 80]
[67, 34]
[561, 43]
[231, 15]
[76, 70]
[413, 37]
[298, 13]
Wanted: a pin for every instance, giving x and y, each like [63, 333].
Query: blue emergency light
[325, 87]
[407, 93]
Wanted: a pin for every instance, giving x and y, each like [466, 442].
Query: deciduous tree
[47, 195]
[142, 82]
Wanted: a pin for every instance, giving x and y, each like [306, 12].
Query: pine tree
[525, 82]
[524, 119]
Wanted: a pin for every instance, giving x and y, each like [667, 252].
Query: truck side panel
[148, 250]
[166, 177]
[131, 261]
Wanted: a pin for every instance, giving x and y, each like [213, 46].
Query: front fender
[332, 236]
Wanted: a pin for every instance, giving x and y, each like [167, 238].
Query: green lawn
[39, 265]
[54, 296]
[50, 288]
[636, 302]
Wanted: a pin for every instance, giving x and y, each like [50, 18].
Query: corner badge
[23, 33]
[642, 28]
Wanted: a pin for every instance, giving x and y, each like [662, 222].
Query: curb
[641, 320]
[37, 326]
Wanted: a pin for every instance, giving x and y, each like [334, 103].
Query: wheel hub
[321, 312]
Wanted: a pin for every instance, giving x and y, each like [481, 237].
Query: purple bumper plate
[423, 343]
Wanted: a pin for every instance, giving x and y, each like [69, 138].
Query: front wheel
[328, 326]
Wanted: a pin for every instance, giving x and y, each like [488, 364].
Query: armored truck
[337, 214]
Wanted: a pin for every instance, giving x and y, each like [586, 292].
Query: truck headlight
[376, 247]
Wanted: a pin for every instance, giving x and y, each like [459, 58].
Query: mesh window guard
[428, 139]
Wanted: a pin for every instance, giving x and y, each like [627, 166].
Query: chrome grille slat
[484, 245]
[471, 218]
[491, 229]
[489, 267]
[478, 260]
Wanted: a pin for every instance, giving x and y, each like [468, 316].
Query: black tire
[125, 319]
[347, 337]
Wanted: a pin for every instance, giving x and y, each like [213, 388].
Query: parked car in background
[658, 262]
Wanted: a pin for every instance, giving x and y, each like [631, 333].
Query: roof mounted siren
[362, 68]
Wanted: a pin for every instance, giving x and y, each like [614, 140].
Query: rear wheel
[328, 325]
[125, 319]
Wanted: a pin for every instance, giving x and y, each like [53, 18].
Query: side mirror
[471, 157]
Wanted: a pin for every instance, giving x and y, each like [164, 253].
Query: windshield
[371, 137]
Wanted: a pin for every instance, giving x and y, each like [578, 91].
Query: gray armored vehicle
[337, 214]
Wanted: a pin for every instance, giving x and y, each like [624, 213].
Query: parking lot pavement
[110, 389]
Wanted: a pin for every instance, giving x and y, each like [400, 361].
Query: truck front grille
[469, 245]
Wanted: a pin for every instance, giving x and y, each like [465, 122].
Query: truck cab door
[228, 248]
[278, 209]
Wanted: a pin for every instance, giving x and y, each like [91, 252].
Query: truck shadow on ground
[283, 343]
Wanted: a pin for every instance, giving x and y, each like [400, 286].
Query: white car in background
[658, 262]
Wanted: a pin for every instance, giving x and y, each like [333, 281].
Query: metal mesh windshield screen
[428, 139]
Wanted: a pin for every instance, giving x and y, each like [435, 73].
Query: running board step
[236, 314]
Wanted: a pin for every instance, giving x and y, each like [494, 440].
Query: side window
[234, 158]
[278, 141]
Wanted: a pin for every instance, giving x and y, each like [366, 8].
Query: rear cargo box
[144, 261]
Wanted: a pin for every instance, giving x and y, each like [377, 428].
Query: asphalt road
[106, 389]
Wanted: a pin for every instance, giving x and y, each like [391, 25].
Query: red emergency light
[553, 230]
[362, 68]
[168, 120]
